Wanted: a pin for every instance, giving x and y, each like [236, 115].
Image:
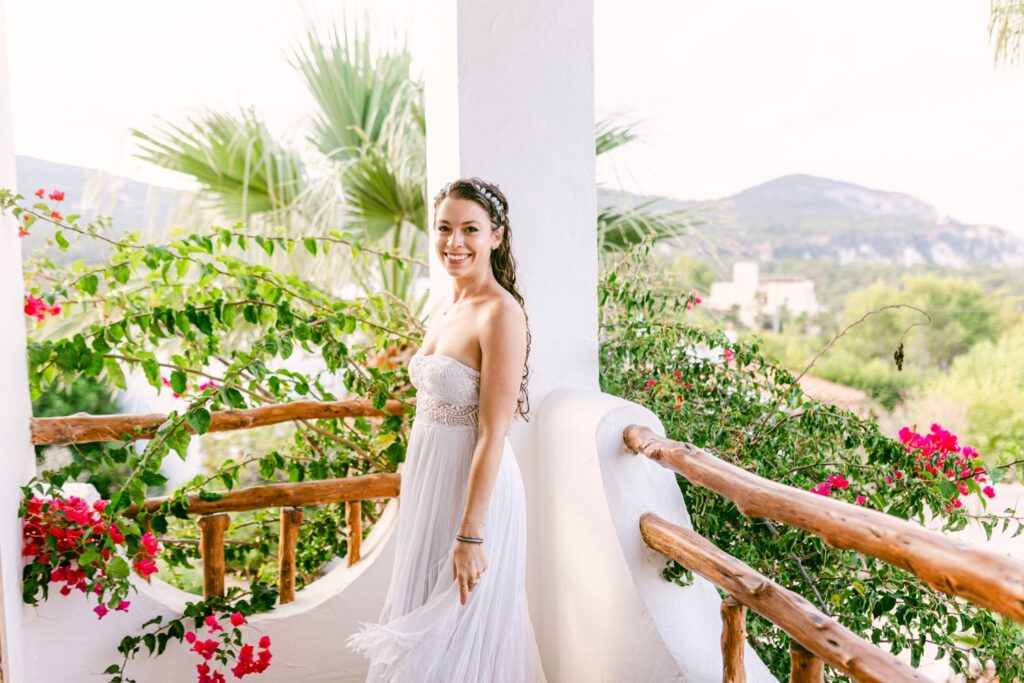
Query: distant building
[755, 298]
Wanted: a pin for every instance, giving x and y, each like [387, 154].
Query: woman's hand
[470, 562]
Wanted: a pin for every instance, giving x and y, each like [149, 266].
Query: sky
[901, 96]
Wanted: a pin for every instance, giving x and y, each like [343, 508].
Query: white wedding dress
[425, 634]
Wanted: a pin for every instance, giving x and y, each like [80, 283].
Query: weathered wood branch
[211, 547]
[825, 637]
[341, 490]
[734, 640]
[354, 522]
[984, 578]
[291, 520]
[89, 428]
[803, 666]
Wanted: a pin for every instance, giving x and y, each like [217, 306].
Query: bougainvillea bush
[199, 317]
[732, 400]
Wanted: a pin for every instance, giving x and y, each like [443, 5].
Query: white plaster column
[509, 92]
[17, 460]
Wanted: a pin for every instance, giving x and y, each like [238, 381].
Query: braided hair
[503, 262]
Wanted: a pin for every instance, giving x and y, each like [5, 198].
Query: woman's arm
[503, 353]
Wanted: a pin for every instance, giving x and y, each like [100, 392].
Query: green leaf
[117, 568]
[948, 489]
[210, 496]
[89, 284]
[199, 420]
[114, 373]
[179, 382]
[62, 241]
[310, 245]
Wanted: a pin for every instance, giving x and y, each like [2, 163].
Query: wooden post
[354, 521]
[804, 667]
[291, 520]
[211, 547]
[734, 639]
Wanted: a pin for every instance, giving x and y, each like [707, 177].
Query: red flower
[190, 636]
[237, 619]
[728, 355]
[55, 215]
[838, 481]
[860, 500]
[649, 384]
[40, 193]
[57, 195]
[989, 491]
[205, 648]
[822, 489]
[123, 606]
[265, 642]
[212, 623]
[22, 232]
[100, 610]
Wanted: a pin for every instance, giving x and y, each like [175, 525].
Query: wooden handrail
[287, 544]
[300, 494]
[984, 578]
[817, 632]
[211, 547]
[89, 428]
[354, 523]
[804, 667]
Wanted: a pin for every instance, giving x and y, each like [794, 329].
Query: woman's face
[463, 237]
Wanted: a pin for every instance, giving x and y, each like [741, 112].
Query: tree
[961, 315]
[1006, 28]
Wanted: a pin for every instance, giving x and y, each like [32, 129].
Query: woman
[456, 606]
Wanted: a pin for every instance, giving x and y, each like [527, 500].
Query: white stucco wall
[608, 615]
[18, 460]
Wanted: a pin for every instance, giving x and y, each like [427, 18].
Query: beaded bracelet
[468, 539]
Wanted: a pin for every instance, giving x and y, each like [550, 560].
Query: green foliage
[197, 317]
[750, 412]
[1006, 28]
[989, 381]
[962, 314]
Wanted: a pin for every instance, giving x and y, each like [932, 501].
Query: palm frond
[1006, 28]
[355, 89]
[610, 135]
[619, 227]
[240, 168]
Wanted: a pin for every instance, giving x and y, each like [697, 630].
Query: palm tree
[1006, 28]
[370, 177]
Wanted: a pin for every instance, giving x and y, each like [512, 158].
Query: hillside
[802, 217]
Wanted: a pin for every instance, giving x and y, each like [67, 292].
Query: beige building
[754, 297]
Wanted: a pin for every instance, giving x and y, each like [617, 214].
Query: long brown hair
[503, 262]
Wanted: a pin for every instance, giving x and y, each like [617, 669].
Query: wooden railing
[212, 515]
[88, 428]
[984, 578]
[291, 498]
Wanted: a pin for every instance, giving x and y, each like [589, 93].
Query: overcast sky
[895, 95]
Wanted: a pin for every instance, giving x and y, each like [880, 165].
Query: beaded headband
[491, 197]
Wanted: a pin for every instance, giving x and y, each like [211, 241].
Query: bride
[456, 608]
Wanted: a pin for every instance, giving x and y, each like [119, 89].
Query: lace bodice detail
[447, 391]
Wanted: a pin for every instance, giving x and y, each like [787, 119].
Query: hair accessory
[492, 198]
[468, 539]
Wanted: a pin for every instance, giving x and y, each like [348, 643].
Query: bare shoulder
[503, 326]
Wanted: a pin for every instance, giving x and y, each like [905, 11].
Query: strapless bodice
[447, 390]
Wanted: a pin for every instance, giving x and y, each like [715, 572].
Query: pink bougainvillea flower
[212, 623]
[822, 489]
[55, 215]
[123, 606]
[100, 610]
[145, 567]
[860, 500]
[40, 193]
[205, 648]
[237, 619]
[838, 481]
[57, 195]
[728, 355]
[190, 637]
[207, 385]
[22, 232]
[265, 642]
[649, 384]
[989, 491]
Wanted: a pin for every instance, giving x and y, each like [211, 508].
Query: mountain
[810, 218]
[131, 205]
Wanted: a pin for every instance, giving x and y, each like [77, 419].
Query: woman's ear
[497, 236]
